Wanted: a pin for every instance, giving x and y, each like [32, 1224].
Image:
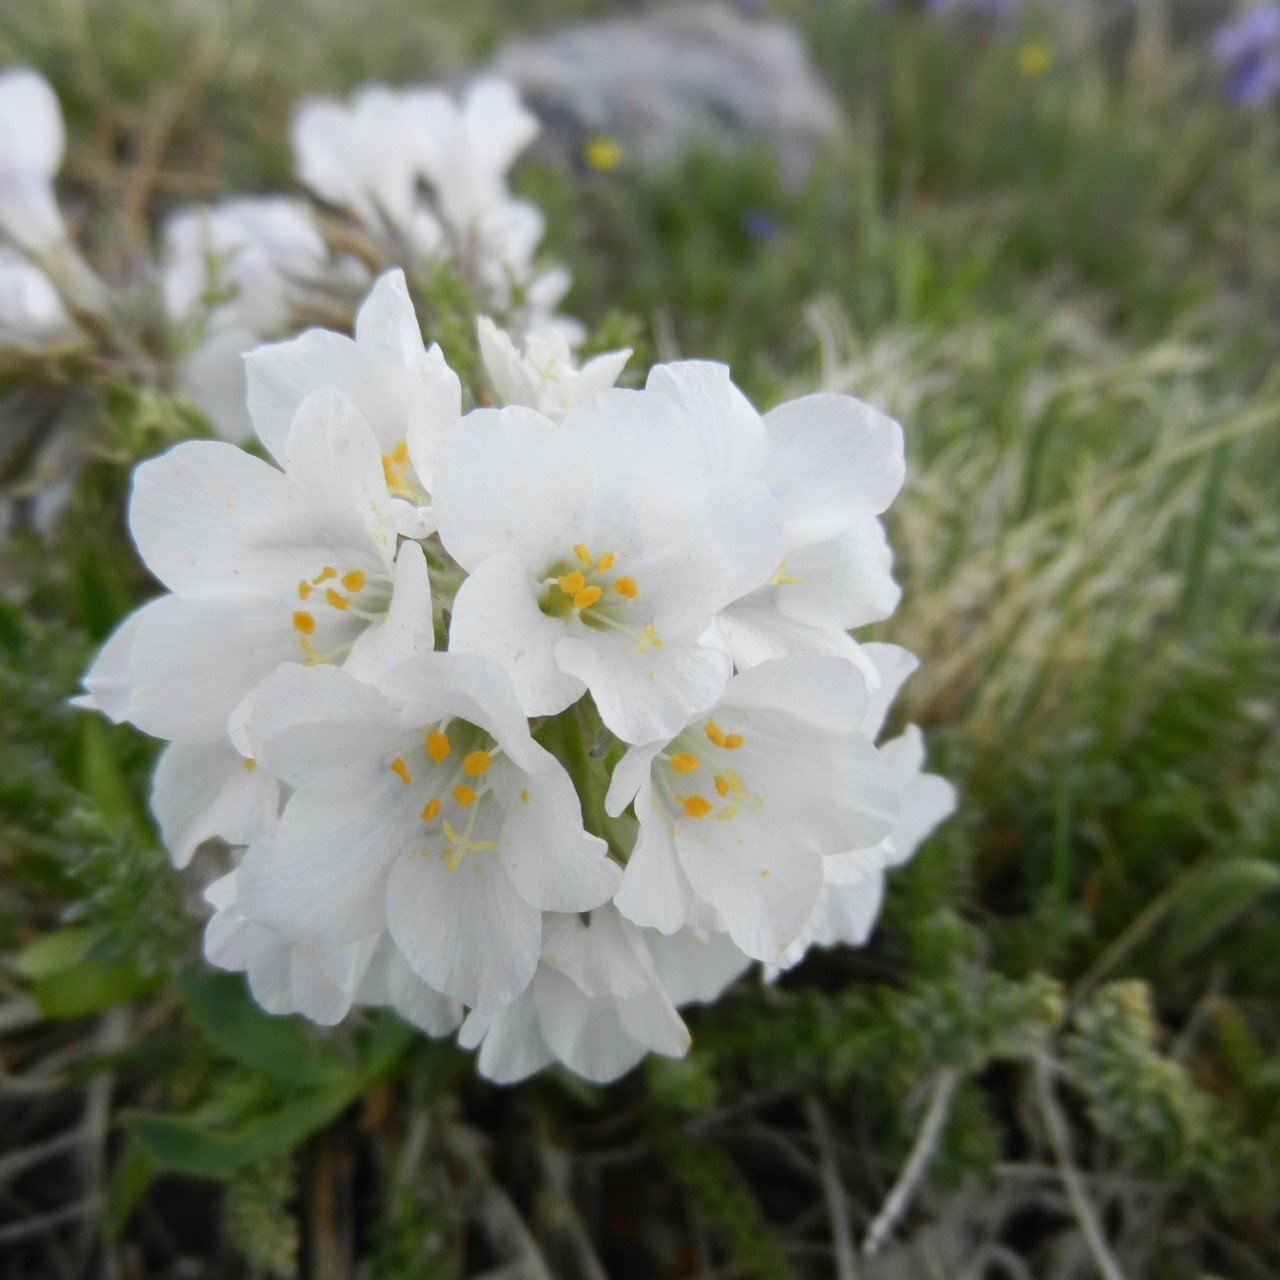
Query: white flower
[236, 270]
[207, 790]
[31, 313]
[422, 806]
[264, 567]
[853, 892]
[318, 981]
[406, 393]
[599, 550]
[738, 809]
[833, 464]
[367, 157]
[543, 375]
[467, 148]
[32, 142]
[595, 1004]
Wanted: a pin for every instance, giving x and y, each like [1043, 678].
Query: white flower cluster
[399, 661]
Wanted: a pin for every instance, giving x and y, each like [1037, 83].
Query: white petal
[754, 630]
[409, 627]
[465, 932]
[894, 664]
[553, 863]
[841, 582]
[194, 660]
[820, 695]
[205, 790]
[647, 696]
[109, 681]
[655, 890]
[32, 136]
[831, 459]
[695, 966]
[848, 913]
[729, 432]
[322, 875]
[511, 1044]
[510, 479]
[629, 775]
[603, 957]
[304, 720]
[496, 614]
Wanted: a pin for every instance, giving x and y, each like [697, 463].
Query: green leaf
[277, 1047]
[53, 952]
[1212, 903]
[129, 1182]
[90, 986]
[186, 1146]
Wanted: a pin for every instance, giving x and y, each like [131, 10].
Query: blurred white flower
[233, 273]
[540, 373]
[31, 312]
[32, 143]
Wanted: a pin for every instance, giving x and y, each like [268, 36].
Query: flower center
[396, 467]
[602, 598]
[449, 771]
[331, 598]
[700, 778]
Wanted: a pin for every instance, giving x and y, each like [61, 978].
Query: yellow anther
[695, 806]
[476, 763]
[627, 587]
[400, 453]
[572, 583]
[524, 796]
[464, 795]
[304, 622]
[401, 770]
[714, 732]
[728, 782]
[438, 745]
[353, 581]
[431, 810]
[722, 784]
[583, 554]
[606, 562]
[337, 601]
[251, 765]
[304, 589]
[325, 575]
[585, 598]
[683, 762]
[733, 741]
[649, 639]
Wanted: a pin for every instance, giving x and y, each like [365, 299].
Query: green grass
[1065, 288]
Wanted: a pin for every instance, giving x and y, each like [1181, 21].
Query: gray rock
[660, 80]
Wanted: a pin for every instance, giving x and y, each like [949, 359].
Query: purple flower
[992, 8]
[1248, 53]
[759, 224]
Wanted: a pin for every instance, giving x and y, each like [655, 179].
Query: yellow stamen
[431, 810]
[733, 741]
[602, 153]
[476, 763]
[401, 770]
[524, 796]
[572, 583]
[438, 745]
[627, 587]
[464, 795]
[251, 765]
[325, 574]
[304, 589]
[585, 598]
[683, 762]
[583, 554]
[714, 732]
[695, 806]
[353, 581]
[722, 784]
[727, 782]
[606, 562]
[338, 602]
[304, 622]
